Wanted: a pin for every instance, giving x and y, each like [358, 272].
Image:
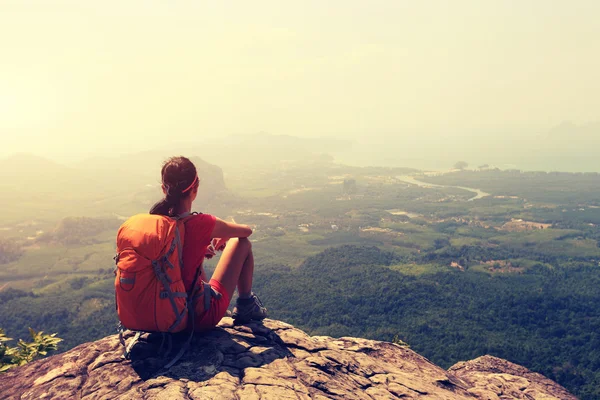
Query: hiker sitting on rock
[205, 234]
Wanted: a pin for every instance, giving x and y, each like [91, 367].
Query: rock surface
[272, 360]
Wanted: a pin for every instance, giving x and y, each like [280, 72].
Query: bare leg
[236, 266]
[244, 284]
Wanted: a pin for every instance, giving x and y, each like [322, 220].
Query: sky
[81, 78]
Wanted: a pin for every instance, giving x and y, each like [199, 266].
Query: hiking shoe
[249, 309]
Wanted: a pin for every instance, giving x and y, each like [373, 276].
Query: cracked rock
[263, 361]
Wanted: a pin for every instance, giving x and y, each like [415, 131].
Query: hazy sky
[79, 77]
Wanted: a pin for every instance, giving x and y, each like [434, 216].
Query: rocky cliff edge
[272, 360]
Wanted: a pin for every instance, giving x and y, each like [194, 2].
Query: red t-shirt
[198, 230]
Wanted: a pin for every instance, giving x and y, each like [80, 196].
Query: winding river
[409, 179]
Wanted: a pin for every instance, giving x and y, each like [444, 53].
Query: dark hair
[179, 179]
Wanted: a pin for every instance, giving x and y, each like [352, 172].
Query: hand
[210, 252]
[219, 243]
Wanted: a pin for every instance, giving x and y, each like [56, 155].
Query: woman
[203, 233]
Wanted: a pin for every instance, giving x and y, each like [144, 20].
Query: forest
[514, 274]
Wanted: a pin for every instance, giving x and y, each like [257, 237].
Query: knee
[241, 243]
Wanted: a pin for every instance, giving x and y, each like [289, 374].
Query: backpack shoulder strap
[179, 245]
[178, 241]
[186, 215]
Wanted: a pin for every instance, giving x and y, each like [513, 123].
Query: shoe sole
[245, 320]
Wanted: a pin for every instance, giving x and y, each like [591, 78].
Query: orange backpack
[149, 290]
[150, 293]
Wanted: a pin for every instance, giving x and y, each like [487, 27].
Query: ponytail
[163, 207]
[179, 177]
[169, 206]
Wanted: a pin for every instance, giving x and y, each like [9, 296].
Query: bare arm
[226, 230]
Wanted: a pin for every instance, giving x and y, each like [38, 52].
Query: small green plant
[40, 344]
[396, 340]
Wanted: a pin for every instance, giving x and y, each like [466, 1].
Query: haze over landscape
[414, 84]
[421, 172]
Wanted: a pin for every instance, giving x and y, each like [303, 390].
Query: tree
[25, 352]
[461, 165]
[441, 243]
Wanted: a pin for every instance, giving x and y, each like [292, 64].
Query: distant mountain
[144, 168]
[569, 131]
[290, 145]
[23, 172]
[104, 185]
[566, 147]
[263, 149]
[579, 142]
[25, 165]
[137, 175]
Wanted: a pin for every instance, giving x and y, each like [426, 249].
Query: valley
[374, 252]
